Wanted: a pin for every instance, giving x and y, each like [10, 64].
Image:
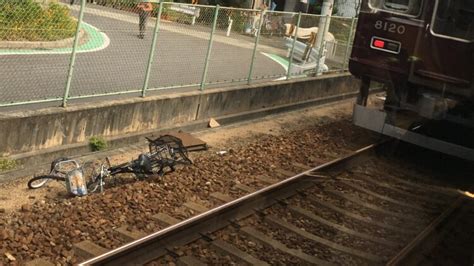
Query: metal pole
[288, 74]
[229, 27]
[326, 11]
[209, 49]
[321, 47]
[349, 44]
[73, 53]
[152, 49]
[254, 53]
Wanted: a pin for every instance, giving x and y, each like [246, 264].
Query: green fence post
[209, 49]
[349, 44]
[254, 53]
[152, 49]
[288, 74]
[73, 53]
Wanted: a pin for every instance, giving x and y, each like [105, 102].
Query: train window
[454, 18]
[399, 5]
[405, 7]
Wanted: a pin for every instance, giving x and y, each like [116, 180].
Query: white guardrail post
[73, 53]
[254, 53]
[152, 49]
[323, 28]
[290, 61]
[209, 49]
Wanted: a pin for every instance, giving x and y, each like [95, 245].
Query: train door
[445, 52]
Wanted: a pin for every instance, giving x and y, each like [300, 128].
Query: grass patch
[27, 20]
[7, 164]
[97, 143]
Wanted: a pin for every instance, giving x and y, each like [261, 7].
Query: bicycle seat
[144, 163]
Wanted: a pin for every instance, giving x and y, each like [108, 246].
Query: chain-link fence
[75, 49]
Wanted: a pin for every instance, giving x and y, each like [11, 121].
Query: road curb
[64, 43]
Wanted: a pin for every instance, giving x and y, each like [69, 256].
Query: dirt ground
[15, 194]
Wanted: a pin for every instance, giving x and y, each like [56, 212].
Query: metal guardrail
[75, 49]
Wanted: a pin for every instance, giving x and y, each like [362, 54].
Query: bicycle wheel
[41, 180]
[58, 160]
[94, 184]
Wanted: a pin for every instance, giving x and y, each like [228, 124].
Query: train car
[422, 51]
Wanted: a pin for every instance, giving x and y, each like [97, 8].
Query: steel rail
[157, 244]
[412, 248]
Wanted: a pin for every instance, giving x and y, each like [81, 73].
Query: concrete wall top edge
[151, 98]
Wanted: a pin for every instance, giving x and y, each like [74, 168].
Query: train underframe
[421, 116]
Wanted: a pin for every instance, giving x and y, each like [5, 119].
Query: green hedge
[27, 20]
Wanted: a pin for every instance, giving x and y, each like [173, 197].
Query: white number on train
[390, 27]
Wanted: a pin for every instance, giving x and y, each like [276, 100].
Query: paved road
[179, 60]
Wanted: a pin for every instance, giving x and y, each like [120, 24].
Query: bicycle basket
[170, 149]
[75, 182]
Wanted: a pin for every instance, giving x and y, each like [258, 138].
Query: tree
[315, 7]
[349, 7]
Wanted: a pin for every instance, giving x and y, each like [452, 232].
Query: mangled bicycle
[165, 153]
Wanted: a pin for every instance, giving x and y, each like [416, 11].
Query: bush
[97, 143]
[7, 164]
[175, 16]
[27, 20]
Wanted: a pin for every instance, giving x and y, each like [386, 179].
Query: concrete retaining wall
[54, 130]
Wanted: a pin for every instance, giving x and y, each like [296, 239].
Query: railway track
[353, 210]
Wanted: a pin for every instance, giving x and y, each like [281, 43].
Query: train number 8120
[390, 27]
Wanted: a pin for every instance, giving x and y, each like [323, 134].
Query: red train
[423, 53]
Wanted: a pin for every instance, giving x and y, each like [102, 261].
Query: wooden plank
[430, 198]
[190, 142]
[351, 251]
[39, 262]
[317, 161]
[129, 236]
[165, 219]
[363, 219]
[373, 207]
[195, 207]
[244, 188]
[311, 216]
[301, 166]
[420, 186]
[227, 249]
[189, 261]
[86, 249]
[262, 238]
[382, 197]
[266, 180]
[284, 173]
[318, 177]
[221, 197]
